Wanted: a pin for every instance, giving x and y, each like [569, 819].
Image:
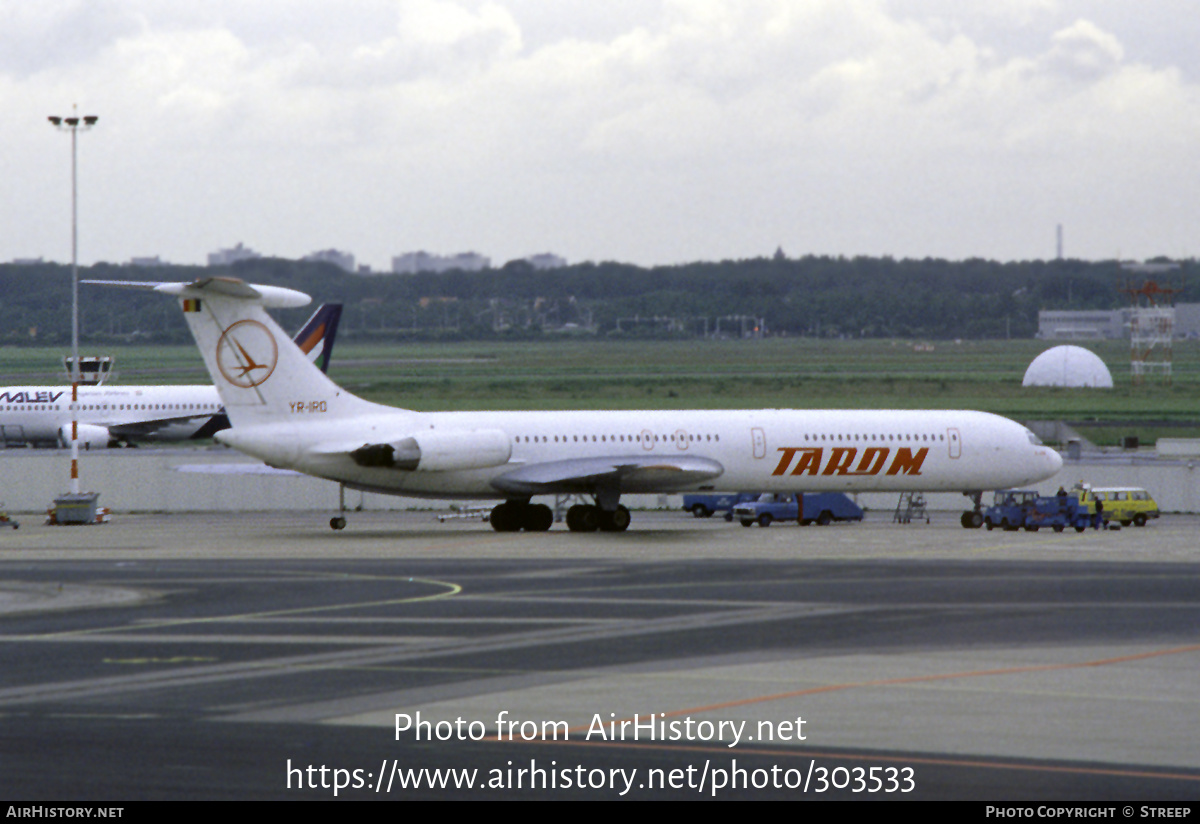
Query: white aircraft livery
[286, 412]
[110, 415]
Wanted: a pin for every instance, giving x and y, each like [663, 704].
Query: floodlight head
[57, 121]
[90, 120]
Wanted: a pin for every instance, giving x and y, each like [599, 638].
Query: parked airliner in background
[114, 415]
[287, 413]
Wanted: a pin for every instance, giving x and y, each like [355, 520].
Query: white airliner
[287, 413]
[110, 415]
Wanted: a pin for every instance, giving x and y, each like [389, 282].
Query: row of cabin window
[906, 437]
[609, 438]
[88, 407]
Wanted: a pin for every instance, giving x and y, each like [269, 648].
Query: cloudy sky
[648, 131]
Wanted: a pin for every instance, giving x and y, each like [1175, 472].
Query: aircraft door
[954, 442]
[759, 439]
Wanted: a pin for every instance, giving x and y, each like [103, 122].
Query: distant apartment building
[224, 257]
[546, 261]
[342, 260]
[148, 262]
[412, 262]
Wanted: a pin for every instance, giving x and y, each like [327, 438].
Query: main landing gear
[589, 518]
[606, 515]
[513, 516]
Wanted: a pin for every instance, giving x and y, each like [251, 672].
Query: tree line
[809, 296]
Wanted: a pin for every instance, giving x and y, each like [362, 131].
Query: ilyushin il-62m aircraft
[287, 413]
[123, 415]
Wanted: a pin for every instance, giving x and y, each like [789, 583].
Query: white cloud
[55, 33]
[1084, 52]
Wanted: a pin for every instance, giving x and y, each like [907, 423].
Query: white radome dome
[1070, 366]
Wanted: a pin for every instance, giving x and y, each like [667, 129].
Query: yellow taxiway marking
[450, 591]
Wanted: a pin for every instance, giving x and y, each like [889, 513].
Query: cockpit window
[1034, 439]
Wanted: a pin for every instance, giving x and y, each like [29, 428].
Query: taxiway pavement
[265, 656]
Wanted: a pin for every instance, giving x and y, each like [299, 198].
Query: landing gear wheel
[538, 518]
[337, 522]
[615, 521]
[972, 520]
[583, 518]
[506, 517]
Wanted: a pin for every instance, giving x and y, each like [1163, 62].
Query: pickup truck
[703, 506]
[814, 507]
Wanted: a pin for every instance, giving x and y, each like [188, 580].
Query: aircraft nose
[1054, 460]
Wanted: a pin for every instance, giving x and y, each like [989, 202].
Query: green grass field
[779, 372]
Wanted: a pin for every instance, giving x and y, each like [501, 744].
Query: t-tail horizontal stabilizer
[263, 378]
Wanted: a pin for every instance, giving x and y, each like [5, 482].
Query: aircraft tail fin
[262, 376]
[315, 338]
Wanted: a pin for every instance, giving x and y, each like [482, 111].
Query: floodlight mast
[72, 124]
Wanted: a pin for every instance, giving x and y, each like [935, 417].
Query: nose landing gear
[973, 518]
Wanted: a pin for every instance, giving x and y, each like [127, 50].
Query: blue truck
[703, 506]
[1014, 509]
[806, 508]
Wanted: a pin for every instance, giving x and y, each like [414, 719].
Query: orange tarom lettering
[785, 460]
[810, 461]
[906, 462]
[840, 458]
[872, 460]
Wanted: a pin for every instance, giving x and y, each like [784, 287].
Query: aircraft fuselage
[37, 414]
[769, 450]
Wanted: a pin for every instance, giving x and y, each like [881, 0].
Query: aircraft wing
[237, 469]
[206, 424]
[623, 473]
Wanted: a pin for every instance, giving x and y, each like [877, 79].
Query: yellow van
[1124, 504]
